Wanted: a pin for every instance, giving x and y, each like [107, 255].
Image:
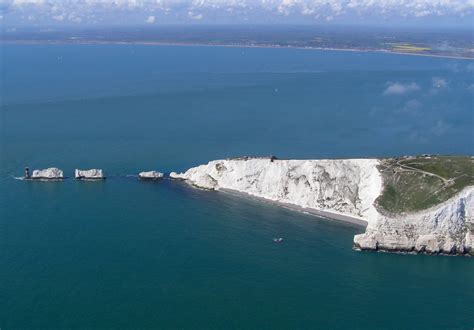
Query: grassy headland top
[417, 183]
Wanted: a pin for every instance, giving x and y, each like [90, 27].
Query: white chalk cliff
[93, 174]
[51, 173]
[345, 189]
[445, 228]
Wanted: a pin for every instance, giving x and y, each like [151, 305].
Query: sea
[124, 253]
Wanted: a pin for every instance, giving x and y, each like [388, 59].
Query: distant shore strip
[159, 43]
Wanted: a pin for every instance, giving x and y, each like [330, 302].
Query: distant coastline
[197, 44]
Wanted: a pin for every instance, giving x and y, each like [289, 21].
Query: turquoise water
[130, 254]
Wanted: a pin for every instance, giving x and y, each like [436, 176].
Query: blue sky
[38, 13]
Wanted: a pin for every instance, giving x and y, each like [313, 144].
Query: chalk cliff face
[51, 173]
[93, 174]
[447, 228]
[344, 188]
[341, 186]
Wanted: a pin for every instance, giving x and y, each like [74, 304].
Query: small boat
[278, 240]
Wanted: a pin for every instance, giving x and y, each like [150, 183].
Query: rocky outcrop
[93, 174]
[176, 176]
[444, 229]
[51, 173]
[151, 175]
[345, 189]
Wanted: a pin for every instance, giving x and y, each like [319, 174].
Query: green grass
[403, 47]
[408, 190]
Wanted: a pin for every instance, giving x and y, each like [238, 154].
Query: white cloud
[439, 83]
[286, 6]
[412, 107]
[74, 18]
[59, 18]
[194, 16]
[308, 11]
[400, 88]
[28, 2]
[242, 9]
[417, 137]
[150, 19]
[440, 128]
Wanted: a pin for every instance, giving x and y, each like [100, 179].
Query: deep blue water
[130, 254]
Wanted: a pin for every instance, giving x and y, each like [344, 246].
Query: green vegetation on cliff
[416, 183]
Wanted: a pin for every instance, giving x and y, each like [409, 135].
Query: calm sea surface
[130, 254]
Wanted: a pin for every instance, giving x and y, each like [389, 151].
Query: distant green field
[417, 183]
[409, 48]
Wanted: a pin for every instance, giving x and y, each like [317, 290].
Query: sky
[52, 13]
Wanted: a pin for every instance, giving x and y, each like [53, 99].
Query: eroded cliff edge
[351, 189]
[447, 228]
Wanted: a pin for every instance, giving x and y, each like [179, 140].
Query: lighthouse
[27, 173]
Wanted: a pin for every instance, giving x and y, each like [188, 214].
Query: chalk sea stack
[150, 175]
[176, 176]
[92, 174]
[51, 173]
